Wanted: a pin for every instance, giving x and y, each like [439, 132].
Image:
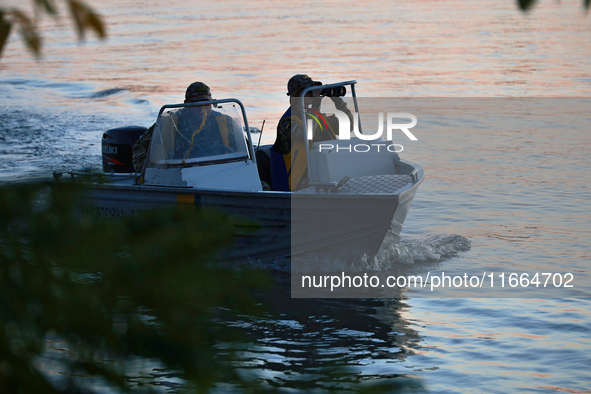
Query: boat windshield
[195, 134]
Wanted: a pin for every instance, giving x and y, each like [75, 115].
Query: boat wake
[394, 254]
[429, 250]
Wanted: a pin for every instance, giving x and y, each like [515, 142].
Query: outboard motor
[117, 148]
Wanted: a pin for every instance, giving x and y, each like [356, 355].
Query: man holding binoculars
[285, 163]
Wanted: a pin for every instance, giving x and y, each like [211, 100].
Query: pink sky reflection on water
[250, 49]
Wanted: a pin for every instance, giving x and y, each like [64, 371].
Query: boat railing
[415, 175]
[99, 176]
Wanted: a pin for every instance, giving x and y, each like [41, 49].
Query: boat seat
[263, 157]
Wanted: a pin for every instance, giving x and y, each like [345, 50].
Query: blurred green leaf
[147, 286]
[526, 5]
[85, 18]
[47, 6]
[4, 31]
[28, 31]
[95, 23]
[78, 14]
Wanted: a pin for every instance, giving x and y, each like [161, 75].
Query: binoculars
[339, 91]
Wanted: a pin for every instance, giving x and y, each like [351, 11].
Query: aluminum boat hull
[354, 219]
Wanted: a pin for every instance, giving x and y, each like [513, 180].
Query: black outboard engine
[117, 148]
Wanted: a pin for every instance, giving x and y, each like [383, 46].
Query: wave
[103, 93]
[73, 90]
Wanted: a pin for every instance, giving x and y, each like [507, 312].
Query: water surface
[520, 197]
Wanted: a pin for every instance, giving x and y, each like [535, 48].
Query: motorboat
[202, 155]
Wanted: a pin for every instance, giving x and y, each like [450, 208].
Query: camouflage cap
[300, 82]
[197, 91]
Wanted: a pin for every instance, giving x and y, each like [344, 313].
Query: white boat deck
[375, 184]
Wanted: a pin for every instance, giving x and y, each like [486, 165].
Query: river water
[511, 201]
